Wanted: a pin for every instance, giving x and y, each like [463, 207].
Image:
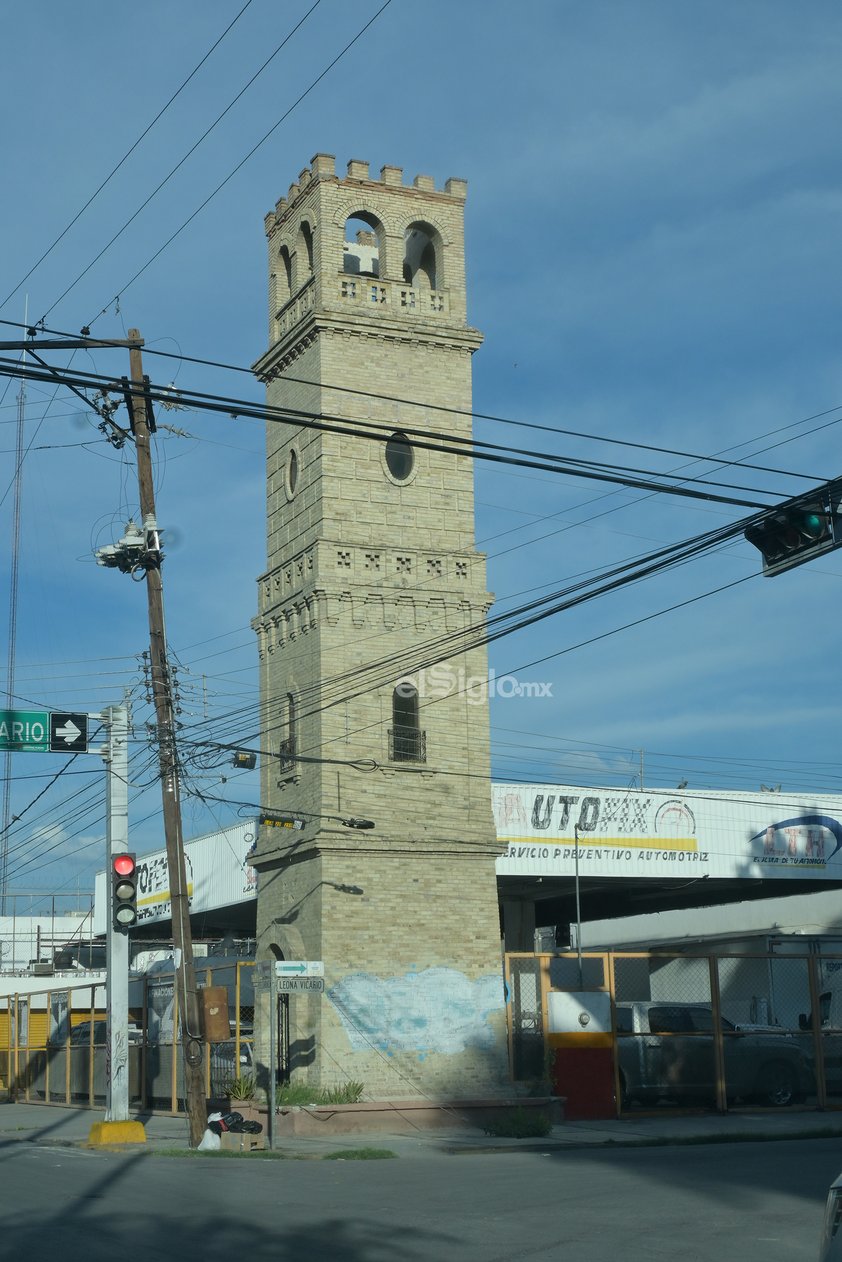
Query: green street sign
[43, 731]
[25, 730]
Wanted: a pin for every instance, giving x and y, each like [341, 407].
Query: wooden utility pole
[188, 1003]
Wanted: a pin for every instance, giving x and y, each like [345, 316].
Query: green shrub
[300, 1093]
[348, 1093]
[519, 1124]
[242, 1088]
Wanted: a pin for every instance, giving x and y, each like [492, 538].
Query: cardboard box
[230, 1141]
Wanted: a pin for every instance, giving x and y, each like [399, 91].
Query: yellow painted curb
[116, 1133]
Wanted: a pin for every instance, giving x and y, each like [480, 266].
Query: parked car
[830, 1249]
[80, 1035]
[830, 1027]
[667, 1051]
[78, 1065]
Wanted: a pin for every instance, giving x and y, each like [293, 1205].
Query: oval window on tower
[400, 458]
[291, 478]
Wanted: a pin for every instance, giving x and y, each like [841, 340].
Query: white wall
[797, 914]
[21, 936]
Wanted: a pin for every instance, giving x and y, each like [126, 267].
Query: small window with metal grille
[407, 743]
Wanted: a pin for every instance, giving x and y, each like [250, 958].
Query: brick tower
[371, 560]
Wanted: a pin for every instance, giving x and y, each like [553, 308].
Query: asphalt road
[751, 1202]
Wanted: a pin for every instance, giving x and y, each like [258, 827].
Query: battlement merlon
[322, 167]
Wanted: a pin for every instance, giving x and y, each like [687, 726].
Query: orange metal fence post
[67, 1051]
[718, 1036]
[206, 1043]
[92, 1020]
[237, 1015]
[816, 1028]
[144, 1037]
[176, 1049]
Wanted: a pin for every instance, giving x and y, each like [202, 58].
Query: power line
[124, 158]
[242, 163]
[700, 597]
[526, 615]
[180, 163]
[572, 648]
[426, 440]
[616, 630]
[716, 457]
[5, 451]
[523, 666]
[95, 841]
[79, 814]
[375, 675]
[789, 800]
[667, 556]
[38, 796]
[562, 528]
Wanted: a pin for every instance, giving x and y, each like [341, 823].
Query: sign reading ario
[43, 731]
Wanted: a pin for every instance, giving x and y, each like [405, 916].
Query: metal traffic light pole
[188, 1003]
[116, 757]
[141, 550]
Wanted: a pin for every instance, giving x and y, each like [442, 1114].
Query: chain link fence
[229, 1062]
[526, 1024]
[694, 1031]
[53, 1043]
[723, 1032]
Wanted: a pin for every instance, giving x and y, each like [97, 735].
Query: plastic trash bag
[238, 1125]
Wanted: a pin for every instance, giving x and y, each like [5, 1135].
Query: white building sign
[219, 874]
[663, 833]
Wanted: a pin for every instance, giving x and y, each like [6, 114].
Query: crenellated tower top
[366, 247]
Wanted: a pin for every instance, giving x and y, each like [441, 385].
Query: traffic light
[124, 890]
[792, 535]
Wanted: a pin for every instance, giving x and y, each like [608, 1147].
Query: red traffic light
[124, 890]
[124, 864]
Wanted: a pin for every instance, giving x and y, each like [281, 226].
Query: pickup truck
[666, 1051]
[830, 1027]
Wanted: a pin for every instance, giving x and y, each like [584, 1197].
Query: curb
[109, 1134]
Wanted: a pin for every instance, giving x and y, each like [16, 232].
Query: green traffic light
[795, 533]
[814, 525]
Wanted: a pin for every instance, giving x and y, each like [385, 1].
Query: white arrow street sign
[69, 732]
[299, 968]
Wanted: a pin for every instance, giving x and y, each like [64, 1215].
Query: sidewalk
[41, 1124]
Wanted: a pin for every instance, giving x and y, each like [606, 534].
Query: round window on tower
[291, 473]
[400, 458]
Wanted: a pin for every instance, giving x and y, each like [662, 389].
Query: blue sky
[651, 237]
